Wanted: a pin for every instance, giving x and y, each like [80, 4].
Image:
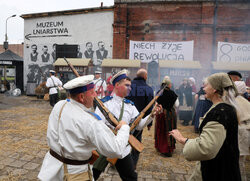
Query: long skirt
[165, 122]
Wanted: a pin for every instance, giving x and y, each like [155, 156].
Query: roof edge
[67, 12]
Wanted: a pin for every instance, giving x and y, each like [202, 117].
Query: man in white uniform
[100, 84]
[52, 83]
[74, 132]
[122, 109]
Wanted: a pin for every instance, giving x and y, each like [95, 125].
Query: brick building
[206, 22]
[16, 48]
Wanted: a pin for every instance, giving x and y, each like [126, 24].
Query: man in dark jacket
[141, 94]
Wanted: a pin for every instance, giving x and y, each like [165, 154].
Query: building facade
[205, 22]
[83, 33]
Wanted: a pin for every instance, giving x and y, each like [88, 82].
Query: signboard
[5, 62]
[68, 69]
[233, 52]
[154, 51]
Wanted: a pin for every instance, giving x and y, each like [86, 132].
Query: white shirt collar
[80, 105]
[117, 98]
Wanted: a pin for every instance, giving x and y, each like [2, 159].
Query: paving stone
[1, 167]
[7, 161]
[17, 163]
[4, 177]
[19, 172]
[39, 168]
[179, 178]
[14, 155]
[2, 157]
[31, 175]
[16, 139]
[150, 179]
[7, 153]
[106, 179]
[27, 158]
[41, 154]
[140, 179]
[37, 160]
[34, 152]
[159, 176]
[31, 166]
[179, 170]
[187, 177]
[35, 137]
[144, 174]
[116, 178]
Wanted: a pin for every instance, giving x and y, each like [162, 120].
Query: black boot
[96, 173]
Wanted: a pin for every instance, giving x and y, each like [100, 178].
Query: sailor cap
[98, 72]
[52, 71]
[80, 84]
[119, 76]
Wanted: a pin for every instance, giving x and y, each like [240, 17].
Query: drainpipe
[214, 31]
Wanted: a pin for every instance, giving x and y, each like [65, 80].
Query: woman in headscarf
[166, 121]
[217, 145]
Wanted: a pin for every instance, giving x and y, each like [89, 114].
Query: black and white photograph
[34, 53]
[45, 56]
[89, 52]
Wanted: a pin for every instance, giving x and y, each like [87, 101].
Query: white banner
[149, 51]
[233, 52]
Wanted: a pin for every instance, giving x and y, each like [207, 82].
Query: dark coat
[187, 91]
[167, 99]
[225, 166]
[141, 94]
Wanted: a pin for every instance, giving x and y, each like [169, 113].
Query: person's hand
[120, 125]
[149, 126]
[178, 136]
[157, 109]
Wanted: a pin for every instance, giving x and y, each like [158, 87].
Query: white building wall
[64, 29]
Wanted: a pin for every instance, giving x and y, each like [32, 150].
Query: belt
[69, 161]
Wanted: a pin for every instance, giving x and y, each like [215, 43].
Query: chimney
[101, 4]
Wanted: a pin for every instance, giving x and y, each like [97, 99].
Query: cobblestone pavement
[23, 125]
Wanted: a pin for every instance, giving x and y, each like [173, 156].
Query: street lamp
[6, 37]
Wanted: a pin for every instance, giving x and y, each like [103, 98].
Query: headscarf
[220, 81]
[224, 84]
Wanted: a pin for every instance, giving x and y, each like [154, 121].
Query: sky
[15, 25]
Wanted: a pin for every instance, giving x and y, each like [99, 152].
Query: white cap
[119, 76]
[80, 84]
[98, 72]
[52, 71]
